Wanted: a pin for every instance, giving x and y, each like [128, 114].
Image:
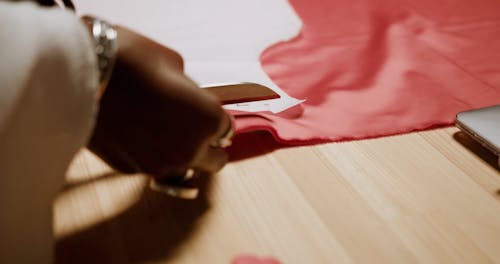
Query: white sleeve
[48, 82]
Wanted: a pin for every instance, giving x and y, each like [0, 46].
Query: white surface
[220, 40]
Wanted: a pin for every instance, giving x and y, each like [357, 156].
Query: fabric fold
[377, 68]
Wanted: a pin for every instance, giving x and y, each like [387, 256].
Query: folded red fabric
[374, 68]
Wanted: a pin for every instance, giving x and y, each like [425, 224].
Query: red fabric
[373, 68]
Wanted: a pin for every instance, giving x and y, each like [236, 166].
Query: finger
[212, 161]
[226, 125]
[224, 135]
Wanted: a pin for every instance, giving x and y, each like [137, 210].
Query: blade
[241, 92]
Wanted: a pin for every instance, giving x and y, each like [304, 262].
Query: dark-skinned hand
[153, 119]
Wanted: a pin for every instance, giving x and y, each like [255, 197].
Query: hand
[153, 119]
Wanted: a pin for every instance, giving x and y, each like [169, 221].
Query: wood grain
[427, 197]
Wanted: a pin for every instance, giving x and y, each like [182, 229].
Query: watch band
[104, 38]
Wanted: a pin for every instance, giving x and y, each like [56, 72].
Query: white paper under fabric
[48, 80]
[220, 40]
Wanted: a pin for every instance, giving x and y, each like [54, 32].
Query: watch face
[483, 125]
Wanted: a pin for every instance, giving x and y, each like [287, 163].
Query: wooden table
[427, 197]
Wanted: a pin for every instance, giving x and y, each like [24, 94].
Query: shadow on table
[476, 148]
[151, 229]
[257, 143]
[156, 225]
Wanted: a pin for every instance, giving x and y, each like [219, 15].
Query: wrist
[104, 40]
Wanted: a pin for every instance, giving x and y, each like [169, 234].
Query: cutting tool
[232, 93]
[228, 93]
